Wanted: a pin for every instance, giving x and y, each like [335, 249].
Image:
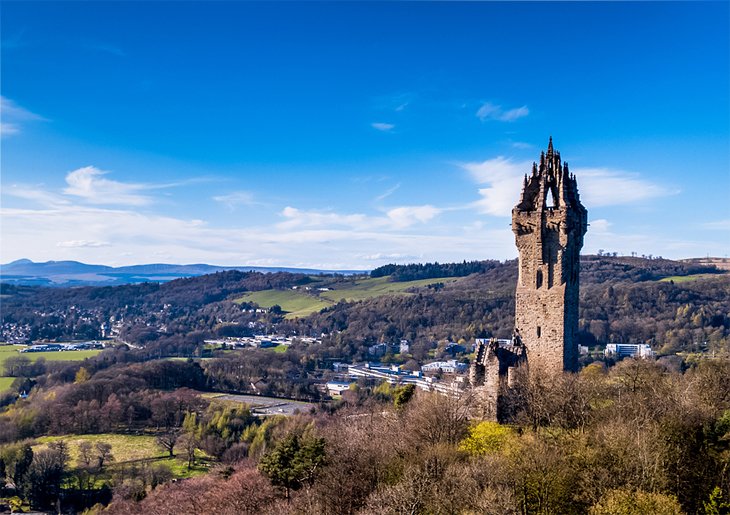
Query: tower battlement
[549, 223]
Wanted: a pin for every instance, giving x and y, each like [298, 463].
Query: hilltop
[74, 273]
[672, 304]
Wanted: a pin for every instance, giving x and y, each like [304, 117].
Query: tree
[403, 394]
[627, 502]
[167, 441]
[294, 462]
[82, 375]
[46, 474]
[486, 438]
[103, 454]
[189, 442]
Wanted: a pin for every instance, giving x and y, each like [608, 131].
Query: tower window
[538, 331]
[539, 279]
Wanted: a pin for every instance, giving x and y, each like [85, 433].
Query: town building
[632, 350]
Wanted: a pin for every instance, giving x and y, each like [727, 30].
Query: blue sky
[349, 135]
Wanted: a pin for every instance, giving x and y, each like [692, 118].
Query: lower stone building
[492, 373]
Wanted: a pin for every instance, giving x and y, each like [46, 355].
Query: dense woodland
[636, 438]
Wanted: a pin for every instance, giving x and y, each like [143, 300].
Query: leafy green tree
[403, 394]
[294, 462]
[486, 438]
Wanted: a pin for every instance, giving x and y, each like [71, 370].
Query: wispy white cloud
[391, 257]
[489, 111]
[311, 218]
[719, 225]
[14, 116]
[323, 240]
[383, 127]
[35, 193]
[89, 184]
[7, 129]
[236, 199]
[396, 102]
[598, 187]
[601, 187]
[109, 49]
[75, 244]
[600, 226]
[12, 110]
[406, 216]
[501, 176]
[394, 219]
[387, 193]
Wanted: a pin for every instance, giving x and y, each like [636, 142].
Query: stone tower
[549, 223]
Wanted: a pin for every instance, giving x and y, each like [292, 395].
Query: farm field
[300, 304]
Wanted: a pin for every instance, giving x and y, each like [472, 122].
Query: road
[269, 405]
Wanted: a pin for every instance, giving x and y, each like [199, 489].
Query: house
[337, 387]
[378, 350]
[405, 347]
[340, 367]
[454, 348]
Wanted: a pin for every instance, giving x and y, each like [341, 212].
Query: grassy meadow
[687, 278]
[128, 450]
[8, 351]
[298, 303]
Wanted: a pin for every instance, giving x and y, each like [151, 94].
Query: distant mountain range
[74, 273]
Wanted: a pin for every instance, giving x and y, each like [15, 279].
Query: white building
[448, 367]
[641, 350]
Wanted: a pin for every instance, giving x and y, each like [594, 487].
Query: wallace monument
[549, 223]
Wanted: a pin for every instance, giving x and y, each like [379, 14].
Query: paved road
[269, 405]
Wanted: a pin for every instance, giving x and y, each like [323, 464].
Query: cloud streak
[14, 116]
[387, 193]
[489, 111]
[383, 127]
[235, 199]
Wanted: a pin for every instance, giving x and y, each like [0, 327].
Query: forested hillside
[116, 428]
[672, 305]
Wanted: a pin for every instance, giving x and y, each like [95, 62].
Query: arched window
[538, 331]
[539, 278]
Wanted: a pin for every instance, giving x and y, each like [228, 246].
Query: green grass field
[300, 304]
[127, 449]
[7, 351]
[295, 303]
[688, 278]
[370, 288]
[5, 383]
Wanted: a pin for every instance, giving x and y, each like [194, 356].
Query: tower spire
[550, 146]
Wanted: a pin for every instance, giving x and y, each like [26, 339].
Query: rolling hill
[74, 273]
